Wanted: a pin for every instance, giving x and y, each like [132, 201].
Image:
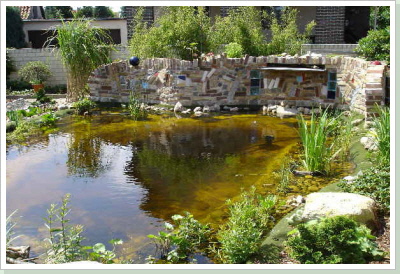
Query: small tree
[85, 11]
[15, 37]
[82, 48]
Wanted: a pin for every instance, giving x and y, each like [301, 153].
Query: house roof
[29, 12]
[24, 11]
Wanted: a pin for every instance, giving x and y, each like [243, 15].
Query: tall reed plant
[82, 48]
[382, 137]
[318, 151]
[137, 110]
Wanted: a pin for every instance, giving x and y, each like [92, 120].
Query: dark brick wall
[330, 25]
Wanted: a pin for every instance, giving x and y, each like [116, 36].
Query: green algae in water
[127, 177]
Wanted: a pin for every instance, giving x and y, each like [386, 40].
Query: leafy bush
[376, 45]
[336, 240]
[234, 50]
[172, 35]
[314, 138]
[48, 119]
[249, 219]
[14, 116]
[84, 105]
[178, 243]
[18, 85]
[41, 97]
[285, 34]
[242, 26]
[35, 72]
[374, 183]
[57, 89]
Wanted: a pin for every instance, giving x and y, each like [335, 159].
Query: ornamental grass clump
[82, 48]
[318, 151]
[382, 135]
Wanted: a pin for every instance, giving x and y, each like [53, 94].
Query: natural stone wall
[242, 81]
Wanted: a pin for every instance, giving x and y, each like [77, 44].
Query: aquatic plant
[249, 220]
[284, 176]
[65, 240]
[10, 224]
[382, 135]
[179, 242]
[82, 48]
[84, 105]
[137, 110]
[317, 152]
[334, 240]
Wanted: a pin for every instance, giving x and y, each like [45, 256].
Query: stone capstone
[329, 204]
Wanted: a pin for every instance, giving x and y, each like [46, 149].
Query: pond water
[127, 177]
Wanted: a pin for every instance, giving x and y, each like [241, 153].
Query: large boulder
[329, 204]
[282, 111]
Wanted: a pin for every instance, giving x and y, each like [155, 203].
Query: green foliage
[56, 89]
[376, 45]
[23, 130]
[137, 110]
[336, 240]
[9, 65]
[10, 224]
[41, 97]
[234, 50]
[249, 220]
[284, 176]
[84, 105]
[382, 136]
[382, 14]
[48, 119]
[375, 183]
[101, 254]
[179, 242]
[172, 35]
[18, 85]
[314, 139]
[285, 34]
[82, 49]
[11, 126]
[35, 72]
[85, 11]
[102, 12]
[15, 36]
[65, 240]
[242, 26]
[57, 12]
[14, 116]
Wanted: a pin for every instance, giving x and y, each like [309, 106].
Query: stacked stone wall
[230, 81]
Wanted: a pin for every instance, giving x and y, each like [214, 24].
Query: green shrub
[285, 34]
[48, 119]
[18, 85]
[374, 183]
[314, 139]
[336, 240]
[35, 72]
[376, 45]
[173, 35]
[41, 97]
[249, 220]
[56, 89]
[11, 126]
[84, 105]
[14, 116]
[15, 36]
[234, 50]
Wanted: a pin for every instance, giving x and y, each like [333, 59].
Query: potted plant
[36, 73]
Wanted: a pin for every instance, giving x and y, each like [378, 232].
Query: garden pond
[126, 177]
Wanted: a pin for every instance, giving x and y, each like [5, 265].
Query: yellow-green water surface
[127, 177]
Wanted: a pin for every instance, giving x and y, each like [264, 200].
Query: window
[332, 83]
[255, 82]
